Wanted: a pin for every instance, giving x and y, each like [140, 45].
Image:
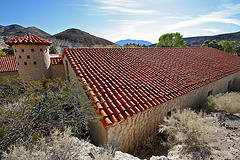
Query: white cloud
[223, 16]
[120, 3]
[213, 30]
[116, 10]
[123, 7]
[130, 27]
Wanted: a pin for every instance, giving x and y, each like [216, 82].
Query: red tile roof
[28, 39]
[8, 64]
[56, 60]
[125, 81]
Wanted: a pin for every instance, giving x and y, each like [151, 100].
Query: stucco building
[134, 88]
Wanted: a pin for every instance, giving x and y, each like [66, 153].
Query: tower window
[41, 49]
[28, 57]
[25, 63]
[22, 50]
[34, 62]
[15, 50]
[20, 57]
[32, 50]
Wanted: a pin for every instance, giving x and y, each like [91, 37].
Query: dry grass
[228, 102]
[59, 146]
[186, 128]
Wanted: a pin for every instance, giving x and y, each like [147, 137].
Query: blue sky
[125, 19]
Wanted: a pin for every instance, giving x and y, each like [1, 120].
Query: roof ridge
[28, 39]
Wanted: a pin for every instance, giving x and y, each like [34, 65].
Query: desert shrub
[228, 102]
[30, 110]
[58, 146]
[186, 128]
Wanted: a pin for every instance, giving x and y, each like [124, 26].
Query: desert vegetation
[186, 128]
[198, 135]
[30, 110]
[227, 102]
[45, 120]
[59, 146]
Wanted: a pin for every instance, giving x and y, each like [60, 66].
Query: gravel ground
[226, 133]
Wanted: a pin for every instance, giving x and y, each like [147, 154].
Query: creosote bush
[186, 128]
[30, 110]
[228, 102]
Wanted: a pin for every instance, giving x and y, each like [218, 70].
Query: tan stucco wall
[132, 131]
[2, 74]
[57, 71]
[35, 71]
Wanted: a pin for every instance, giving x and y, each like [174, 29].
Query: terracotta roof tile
[130, 80]
[56, 60]
[8, 64]
[28, 39]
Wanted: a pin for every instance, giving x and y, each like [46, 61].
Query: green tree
[52, 50]
[144, 45]
[237, 50]
[227, 45]
[8, 50]
[171, 40]
[30, 110]
[206, 43]
[212, 44]
[2, 53]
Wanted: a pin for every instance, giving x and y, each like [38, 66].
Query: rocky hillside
[17, 30]
[68, 38]
[78, 38]
[198, 41]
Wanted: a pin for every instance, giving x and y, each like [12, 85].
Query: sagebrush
[186, 128]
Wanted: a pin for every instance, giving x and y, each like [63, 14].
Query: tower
[32, 56]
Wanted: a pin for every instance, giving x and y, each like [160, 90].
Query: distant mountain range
[77, 38]
[198, 41]
[122, 42]
[17, 30]
[68, 38]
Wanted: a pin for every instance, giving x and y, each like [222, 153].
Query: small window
[25, 63]
[41, 49]
[20, 57]
[229, 84]
[22, 50]
[17, 63]
[34, 62]
[15, 50]
[210, 93]
[32, 50]
[28, 57]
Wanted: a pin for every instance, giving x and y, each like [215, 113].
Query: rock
[175, 152]
[158, 158]
[125, 156]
